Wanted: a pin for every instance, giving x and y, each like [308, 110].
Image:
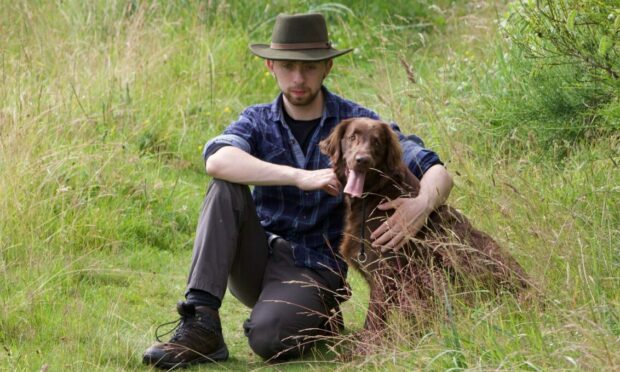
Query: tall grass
[105, 106]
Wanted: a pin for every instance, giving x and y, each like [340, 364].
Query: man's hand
[409, 216]
[324, 179]
[411, 213]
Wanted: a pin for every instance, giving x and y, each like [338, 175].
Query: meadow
[105, 107]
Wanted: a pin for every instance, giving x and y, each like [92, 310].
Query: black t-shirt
[302, 129]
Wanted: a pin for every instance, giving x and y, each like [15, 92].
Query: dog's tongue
[355, 184]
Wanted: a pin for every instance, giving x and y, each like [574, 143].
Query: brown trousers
[290, 305]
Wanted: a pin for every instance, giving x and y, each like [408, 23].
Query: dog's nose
[362, 159]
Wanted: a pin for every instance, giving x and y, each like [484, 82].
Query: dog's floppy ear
[393, 150]
[330, 146]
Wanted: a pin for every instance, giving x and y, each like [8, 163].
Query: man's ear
[328, 67]
[269, 65]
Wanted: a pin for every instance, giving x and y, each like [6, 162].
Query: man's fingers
[322, 179]
[337, 184]
[392, 204]
[332, 186]
[388, 225]
[395, 244]
[383, 234]
[400, 227]
[401, 243]
[379, 231]
[390, 233]
[331, 189]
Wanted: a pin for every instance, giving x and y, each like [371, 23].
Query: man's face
[300, 82]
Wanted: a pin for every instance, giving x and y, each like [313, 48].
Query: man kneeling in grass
[274, 247]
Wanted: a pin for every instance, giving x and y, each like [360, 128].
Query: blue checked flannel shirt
[312, 221]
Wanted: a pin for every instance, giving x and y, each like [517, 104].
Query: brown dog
[367, 156]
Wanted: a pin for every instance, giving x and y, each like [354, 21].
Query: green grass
[105, 106]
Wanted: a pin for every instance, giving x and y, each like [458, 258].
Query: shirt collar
[330, 107]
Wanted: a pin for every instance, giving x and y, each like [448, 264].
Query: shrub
[561, 71]
[585, 34]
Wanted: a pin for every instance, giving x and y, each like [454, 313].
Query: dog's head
[363, 151]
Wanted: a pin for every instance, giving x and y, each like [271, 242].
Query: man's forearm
[435, 186]
[234, 165]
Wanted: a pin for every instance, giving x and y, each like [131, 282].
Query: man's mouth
[355, 183]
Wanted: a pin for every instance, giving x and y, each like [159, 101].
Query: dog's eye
[375, 142]
[352, 137]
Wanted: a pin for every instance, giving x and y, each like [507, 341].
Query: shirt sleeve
[240, 134]
[418, 158]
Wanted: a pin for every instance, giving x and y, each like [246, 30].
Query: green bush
[560, 72]
[585, 34]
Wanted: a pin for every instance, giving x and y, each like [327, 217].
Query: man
[275, 248]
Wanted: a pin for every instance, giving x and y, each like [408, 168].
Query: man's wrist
[427, 200]
[294, 176]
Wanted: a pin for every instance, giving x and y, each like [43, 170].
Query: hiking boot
[197, 339]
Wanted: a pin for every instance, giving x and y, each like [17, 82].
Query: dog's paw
[365, 343]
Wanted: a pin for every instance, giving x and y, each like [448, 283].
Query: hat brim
[265, 51]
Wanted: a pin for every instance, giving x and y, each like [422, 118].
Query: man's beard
[301, 101]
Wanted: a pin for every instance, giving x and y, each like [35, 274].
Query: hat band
[297, 46]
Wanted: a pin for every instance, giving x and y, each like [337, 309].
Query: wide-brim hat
[298, 37]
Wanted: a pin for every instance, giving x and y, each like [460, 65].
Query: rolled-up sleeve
[418, 158]
[239, 134]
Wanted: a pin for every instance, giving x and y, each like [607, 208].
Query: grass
[105, 106]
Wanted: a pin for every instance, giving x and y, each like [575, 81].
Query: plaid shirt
[312, 221]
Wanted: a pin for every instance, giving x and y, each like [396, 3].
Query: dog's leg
[375, 324]
[376, 316]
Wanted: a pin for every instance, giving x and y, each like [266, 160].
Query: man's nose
[298, 76]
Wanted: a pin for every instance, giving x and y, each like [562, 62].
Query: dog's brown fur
[447, 247]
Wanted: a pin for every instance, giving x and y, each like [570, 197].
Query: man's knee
[228, 194]
[223, 187]
[269, 339]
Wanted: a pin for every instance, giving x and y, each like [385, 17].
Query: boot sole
[217, 356]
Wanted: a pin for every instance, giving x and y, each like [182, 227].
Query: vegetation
[105, 107]
[561, 69]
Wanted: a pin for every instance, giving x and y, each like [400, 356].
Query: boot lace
[179, 329]
[187, 323]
